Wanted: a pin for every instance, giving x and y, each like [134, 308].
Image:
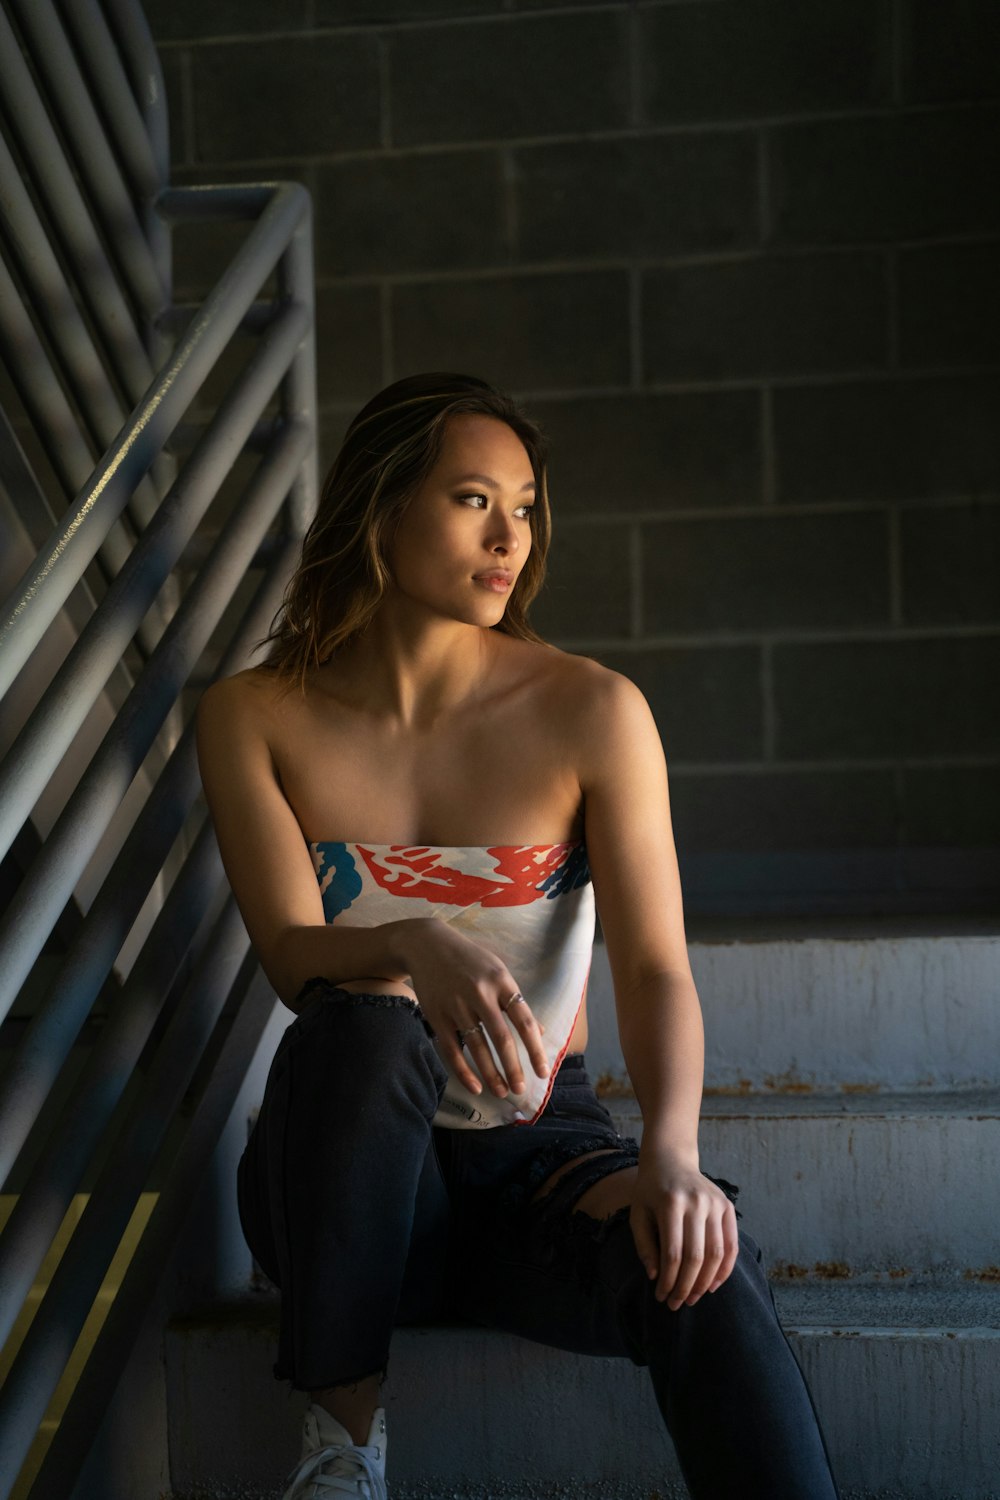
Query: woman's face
[469, 518]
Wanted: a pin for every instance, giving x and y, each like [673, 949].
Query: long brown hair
[389, 449]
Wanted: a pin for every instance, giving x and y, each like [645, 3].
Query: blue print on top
[345, 882]
[574, 871]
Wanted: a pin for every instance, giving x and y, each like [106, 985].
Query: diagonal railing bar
[86, 138]
[50, 1035]
[51, 729]
[56, 1326]
[107, 80]
[68, 336]
[145, 76]
[88, 329]
[54, 873]
[59, 1168]
[183, 1174]
[40, 594]
[44, 398]
[70, 215]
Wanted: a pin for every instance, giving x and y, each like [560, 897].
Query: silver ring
[468, 1032]
[512, 1001]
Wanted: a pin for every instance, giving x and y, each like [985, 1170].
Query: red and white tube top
[530, 904]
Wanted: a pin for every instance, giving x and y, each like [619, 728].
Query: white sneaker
[333, 1463]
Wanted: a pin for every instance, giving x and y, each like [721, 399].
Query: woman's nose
[503, 533]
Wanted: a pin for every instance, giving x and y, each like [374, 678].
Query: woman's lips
[498, 585]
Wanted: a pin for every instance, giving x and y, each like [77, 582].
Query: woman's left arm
[684, 1226]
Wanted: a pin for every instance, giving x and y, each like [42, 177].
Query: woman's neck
[412, 682]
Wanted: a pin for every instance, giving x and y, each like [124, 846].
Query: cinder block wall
[740, 257]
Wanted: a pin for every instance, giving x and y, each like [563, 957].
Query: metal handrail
[88, 326]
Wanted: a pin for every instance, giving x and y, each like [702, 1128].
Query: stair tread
[918, 1303]
[964, 1103]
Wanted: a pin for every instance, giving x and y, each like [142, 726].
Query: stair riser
[867, 1192]
[901, 1013]
[916, 1413]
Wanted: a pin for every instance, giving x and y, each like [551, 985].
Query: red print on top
[419, 871]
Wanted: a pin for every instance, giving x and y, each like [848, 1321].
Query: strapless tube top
[530, 904]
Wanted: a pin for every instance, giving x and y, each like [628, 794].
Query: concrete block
[777, 809]
[792, 1014]
[907, 1410]
[746, 58]
[950, 559]
[773, 315]
[949, 304]
[173, 20]
[648, 453]
[348, 343]
[588, 587]
[528, 332]
[950, 52]
[957, 805]
[410, 213]
[886, 697]
[243, 92]
[511, 76]
[854, 882]
[887, 177]
[765, 572]
[636, 196]
[888, 439]
[706, 699]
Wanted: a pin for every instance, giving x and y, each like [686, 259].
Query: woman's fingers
[731, 1235]
[708, 1255]
[689, 1236]
[530, 1031]
[714, 1251]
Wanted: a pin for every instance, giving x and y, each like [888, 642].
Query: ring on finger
[513, 1001]
[468, 1032]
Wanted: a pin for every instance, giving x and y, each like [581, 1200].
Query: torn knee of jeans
[314, 986]
[516, 1196]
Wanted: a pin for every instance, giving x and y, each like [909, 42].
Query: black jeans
[367, 1216]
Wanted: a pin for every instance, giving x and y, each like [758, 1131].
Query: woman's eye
[472, 497]
[527, 510]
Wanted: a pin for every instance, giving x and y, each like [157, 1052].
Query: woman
[417, 801]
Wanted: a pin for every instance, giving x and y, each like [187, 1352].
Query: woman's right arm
[267, 859]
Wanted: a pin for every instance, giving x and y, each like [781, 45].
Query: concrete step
[898, 1005]
[834, 1184]
[905, 1376]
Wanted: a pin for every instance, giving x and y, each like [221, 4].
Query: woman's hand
[458, 983]
[684, 1226]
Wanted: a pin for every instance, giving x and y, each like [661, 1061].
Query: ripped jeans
[366, 1216]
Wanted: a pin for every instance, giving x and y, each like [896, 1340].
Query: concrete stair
[853, 1093]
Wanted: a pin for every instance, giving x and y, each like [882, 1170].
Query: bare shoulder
[583, 692]
[250, 696]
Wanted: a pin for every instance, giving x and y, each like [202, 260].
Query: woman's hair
[389, 449]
